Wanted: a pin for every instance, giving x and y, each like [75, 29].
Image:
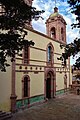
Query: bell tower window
[53, 32]
[62, 34]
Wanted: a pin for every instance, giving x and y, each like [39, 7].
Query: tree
[75, 9]
[14, 15]
[73, 48]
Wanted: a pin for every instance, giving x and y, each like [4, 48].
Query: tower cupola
[56, 26]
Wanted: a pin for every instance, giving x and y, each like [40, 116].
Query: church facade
[38, 75]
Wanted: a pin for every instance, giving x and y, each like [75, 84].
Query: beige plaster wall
[36, 80]
[36, 84]
[5, 89]
[42, 42]
[59, 81]
[37, 54]
[18, 84]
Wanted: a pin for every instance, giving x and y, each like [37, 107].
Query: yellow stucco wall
[59, 81]
[19, 85]
[42, 42]
[5, 89]
[36, 84]
[38, 57]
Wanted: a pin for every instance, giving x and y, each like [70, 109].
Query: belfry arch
[53, 33]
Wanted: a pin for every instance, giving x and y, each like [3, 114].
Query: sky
[64, 10]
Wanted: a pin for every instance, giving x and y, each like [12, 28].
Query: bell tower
[56, 26]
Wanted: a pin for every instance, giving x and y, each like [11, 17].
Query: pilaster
[13, 94]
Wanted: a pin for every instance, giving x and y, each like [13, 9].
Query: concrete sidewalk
[64, 107]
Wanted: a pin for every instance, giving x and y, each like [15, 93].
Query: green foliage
[73, 48]
[77, 64]
[75, 9]
[15, 15]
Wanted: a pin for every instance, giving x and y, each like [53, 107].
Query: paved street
[64, 107]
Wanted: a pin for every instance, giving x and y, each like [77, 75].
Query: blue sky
[64, 9]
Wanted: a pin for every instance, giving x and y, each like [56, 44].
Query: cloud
[39, 26]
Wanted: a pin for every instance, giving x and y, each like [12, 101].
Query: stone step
[2, 113]
[5, 115]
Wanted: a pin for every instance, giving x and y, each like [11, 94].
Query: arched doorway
[48, 86]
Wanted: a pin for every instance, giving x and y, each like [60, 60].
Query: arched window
[50, 54]
[62, 34]
[53, 32]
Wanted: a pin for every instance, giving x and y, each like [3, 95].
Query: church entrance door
[48, 85]
[48, 88]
